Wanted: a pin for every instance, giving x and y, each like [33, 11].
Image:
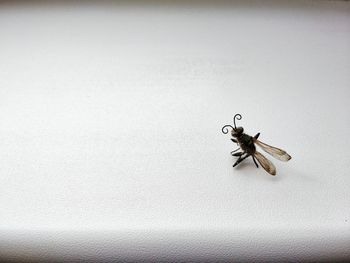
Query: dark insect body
[247, 146]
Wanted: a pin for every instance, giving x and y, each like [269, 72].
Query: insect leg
[257, 166]
[256, 136]
[234, 140]
[240, 159]
[238, 154]
[235, 150]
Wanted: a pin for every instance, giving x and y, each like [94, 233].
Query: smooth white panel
[110, 130]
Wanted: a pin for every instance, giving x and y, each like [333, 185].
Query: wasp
[247, 144]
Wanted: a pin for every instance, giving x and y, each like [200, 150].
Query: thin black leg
[240, 159]
[234, 140]
[256, 136]
[238, 154]
[235, 150]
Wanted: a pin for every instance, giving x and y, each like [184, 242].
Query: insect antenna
[239, 117]
[225, 130]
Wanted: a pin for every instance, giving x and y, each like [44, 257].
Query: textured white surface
[110, 131]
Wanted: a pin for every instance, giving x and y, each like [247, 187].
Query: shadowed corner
[207, 4]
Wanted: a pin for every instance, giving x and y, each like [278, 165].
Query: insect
[247, 144]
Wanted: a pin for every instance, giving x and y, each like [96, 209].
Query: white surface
[110, 131]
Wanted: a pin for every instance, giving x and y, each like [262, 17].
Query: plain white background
[110, 130]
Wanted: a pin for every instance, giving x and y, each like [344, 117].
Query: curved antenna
[225, 130]
[239, 117]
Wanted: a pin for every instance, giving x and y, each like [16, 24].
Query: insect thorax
[247, 143]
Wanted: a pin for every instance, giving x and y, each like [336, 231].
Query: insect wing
[275, 152]
[265, 163]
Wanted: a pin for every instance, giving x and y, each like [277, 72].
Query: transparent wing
[275, 152]
[265, 163]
